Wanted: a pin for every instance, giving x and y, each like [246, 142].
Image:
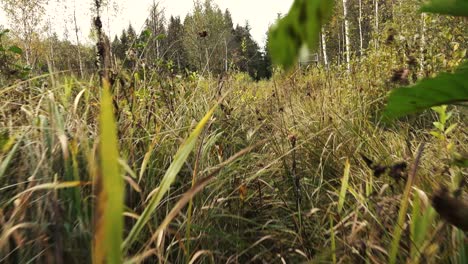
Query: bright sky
[259, 13]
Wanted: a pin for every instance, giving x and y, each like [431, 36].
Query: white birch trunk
[80, 61]
[423, 44]
[346, 33]
[360, 29]
[376, 18]
[324, 48]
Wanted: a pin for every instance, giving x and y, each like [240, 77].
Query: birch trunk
[346, 33]
[360, 29]
[80, 61]
[376, 26]
[324, 48]
[422, 44]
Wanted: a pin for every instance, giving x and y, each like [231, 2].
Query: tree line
[207, 41]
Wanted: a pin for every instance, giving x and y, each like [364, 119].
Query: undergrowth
[279, 202]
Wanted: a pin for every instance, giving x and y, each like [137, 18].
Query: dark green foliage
[453, 7]
[10, 66]
[117, 48]
[176, 52]
[247, 55]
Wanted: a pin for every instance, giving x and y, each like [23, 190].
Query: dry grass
[276, 202]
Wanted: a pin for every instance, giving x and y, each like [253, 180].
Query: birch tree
[346, 34]
[26, 19]
[80, 60]
[422, 44]
[376, 21]
[324, 47]
[360, 29]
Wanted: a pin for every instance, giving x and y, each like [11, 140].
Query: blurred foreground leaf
[444, 7]
[109, 188]
[300, 27]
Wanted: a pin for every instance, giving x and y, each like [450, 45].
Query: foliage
[446, 88]
[166, 182]
[443, 89]
[9, 64]
[26, 17]
[275, 175]
[298, 30]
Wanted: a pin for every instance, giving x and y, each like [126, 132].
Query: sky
[259, 13]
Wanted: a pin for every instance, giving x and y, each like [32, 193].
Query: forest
[341, 139]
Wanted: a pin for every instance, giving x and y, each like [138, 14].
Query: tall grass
[253, 195]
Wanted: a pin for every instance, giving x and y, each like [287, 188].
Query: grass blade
[4, 163]
[403, 208]
[169, 177]
[344, 186]
[109, 189]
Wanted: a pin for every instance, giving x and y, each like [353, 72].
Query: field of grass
[276, 175]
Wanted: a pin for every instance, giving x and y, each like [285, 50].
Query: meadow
[150, 166]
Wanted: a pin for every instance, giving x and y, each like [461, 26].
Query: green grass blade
[4, 163]
[398, 231]
[171, 173]
[344, 186]
[109, 189]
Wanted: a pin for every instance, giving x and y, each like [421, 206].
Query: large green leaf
[446, 88]
[447, 7]
[299, 28]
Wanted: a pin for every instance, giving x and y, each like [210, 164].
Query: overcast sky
[259, 13]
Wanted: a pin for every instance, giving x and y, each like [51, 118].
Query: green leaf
[450, 128]
[437, 135]
[299, 28]
[439, 126]
[146, 33]
[4, 138]
[444, 7]
[15, 49]
[460, 160]
[109, 189]
[446, 88]
[181, 156]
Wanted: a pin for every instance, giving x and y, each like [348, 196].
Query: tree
[176, 51]
[248, 55]
[205, 36]
[77, 39]
[323, 40]
[155, 24]
[26, 17]
[346, 34]
[117, 48]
